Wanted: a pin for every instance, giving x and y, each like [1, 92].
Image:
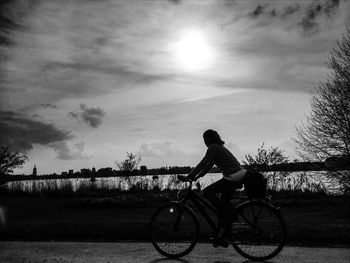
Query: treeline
[328, 165]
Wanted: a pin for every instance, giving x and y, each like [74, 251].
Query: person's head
[211, 136]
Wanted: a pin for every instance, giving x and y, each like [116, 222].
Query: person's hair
[211, 136]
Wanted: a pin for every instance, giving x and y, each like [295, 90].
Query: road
[88, 252]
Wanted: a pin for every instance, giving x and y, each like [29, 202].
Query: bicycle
[259, 233]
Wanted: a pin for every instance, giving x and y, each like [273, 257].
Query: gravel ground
[88, 252]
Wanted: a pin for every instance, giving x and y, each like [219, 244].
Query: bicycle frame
[197, 200]
[246, 231]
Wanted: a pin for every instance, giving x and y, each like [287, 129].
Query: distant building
[70, 172]
[35, 173]
[108, 171]
[143, 169]
[85, 171]
[64, 174]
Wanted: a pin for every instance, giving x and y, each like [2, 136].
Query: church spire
[34, 171]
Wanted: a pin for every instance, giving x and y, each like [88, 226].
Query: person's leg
[228, 190]
[225, 188]
[229, 210]
[211, 192]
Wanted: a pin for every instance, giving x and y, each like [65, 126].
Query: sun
[193, 51]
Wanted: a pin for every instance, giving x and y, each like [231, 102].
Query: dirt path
[81, 252]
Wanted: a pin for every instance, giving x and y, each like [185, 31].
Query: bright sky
[83, 82]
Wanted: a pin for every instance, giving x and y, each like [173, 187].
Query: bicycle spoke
[260, 231]
[253, 214]
[174, 230]
[261, 209]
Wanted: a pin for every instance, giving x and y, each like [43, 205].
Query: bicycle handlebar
[184, 178]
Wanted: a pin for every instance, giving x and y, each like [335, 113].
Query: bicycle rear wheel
[260, 232]
[174, 230]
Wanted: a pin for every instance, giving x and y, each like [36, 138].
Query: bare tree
[326, 132]
[10, 160]
[272, 156]
[128, 165]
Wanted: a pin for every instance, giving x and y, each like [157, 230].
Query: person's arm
[205, 170]
[204, 165]
[200, 166]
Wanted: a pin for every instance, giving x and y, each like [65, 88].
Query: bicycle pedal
[223, 243]
[216, 243]
[213, 241]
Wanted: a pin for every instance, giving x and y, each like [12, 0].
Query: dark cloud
[258, 10]
[10, 17]
[289, 10]
[176, 2]
[92, 116]
[307, 15]
[309, 23]
[6, 25]
[48, 105]
[330, 7]
[34, 107]
[22, 132]
[273, 12]
[101, 41]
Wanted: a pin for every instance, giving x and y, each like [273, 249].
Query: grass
[53, 210]
[317, 221]
[68, 187]
[85, 187]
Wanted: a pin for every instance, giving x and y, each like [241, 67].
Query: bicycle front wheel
[174, 230]
[260, 232]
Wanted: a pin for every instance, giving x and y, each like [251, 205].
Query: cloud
[302, 15]
[91, 116]
[35, 107]
[330, 7]
[289, 10]
[58, 53]
[160, 149]
[68, 151]
[167, 153]
[309, 23]
[176, 2]
[258, 10]
[8, 23]
[48, 105]
[22, 132]
[105, 68]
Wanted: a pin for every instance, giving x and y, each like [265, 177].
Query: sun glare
[192, 51]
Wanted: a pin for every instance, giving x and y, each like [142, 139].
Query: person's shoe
[217, 243]
[223, 243]
[220, 239]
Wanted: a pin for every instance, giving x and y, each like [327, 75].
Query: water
[122, 183]
[313, 181]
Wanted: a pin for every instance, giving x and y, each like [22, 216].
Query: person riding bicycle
[233, 175]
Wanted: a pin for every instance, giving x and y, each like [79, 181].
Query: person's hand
[184, 178]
